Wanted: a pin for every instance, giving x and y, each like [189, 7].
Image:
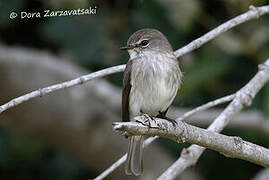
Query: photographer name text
[52, 13]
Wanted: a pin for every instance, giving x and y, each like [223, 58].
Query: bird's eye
[144, 43]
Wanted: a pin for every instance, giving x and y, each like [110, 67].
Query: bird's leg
[163, 116]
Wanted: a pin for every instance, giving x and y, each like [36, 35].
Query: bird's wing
[126, 91]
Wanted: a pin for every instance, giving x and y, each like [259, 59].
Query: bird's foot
[163, 116]
[148, 120]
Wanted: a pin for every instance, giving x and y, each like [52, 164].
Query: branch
[229, 146]
[250, 119]
[243, 98]
[43, 91]
[251, 14]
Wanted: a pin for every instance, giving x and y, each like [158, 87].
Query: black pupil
[144, 42]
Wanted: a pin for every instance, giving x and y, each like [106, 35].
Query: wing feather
[126, 91]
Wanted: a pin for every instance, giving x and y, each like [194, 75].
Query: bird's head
[147, 40]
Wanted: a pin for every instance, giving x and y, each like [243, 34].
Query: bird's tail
[134, 164]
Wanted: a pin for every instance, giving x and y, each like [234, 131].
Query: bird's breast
[155, 81]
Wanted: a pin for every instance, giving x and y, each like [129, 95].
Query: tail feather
[134, 163]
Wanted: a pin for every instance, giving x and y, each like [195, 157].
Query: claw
[149, 116]
[174, 122]
[161, 115]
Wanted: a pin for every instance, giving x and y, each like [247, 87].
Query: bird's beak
[127, 47]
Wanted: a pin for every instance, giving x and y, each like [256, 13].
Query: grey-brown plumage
[151, 80]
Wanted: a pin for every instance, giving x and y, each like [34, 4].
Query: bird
[151, 81]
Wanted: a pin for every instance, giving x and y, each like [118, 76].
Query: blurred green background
[219, 68]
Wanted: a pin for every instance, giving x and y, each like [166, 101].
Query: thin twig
[245, 120]
[254, 12]
[43, 91]
[206, 106]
